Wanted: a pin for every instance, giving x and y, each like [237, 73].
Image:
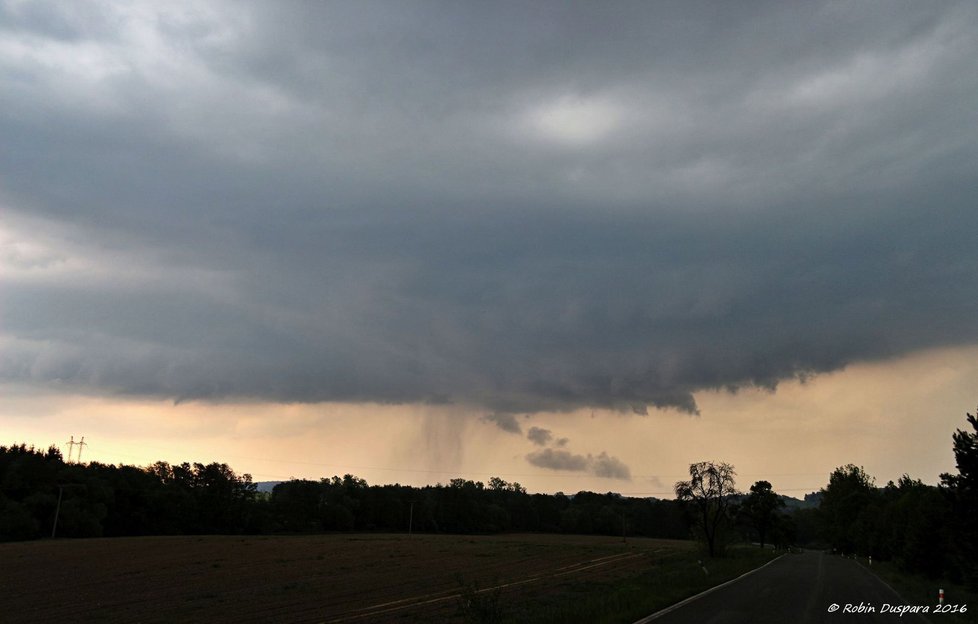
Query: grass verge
[919, 590]
[671, 578]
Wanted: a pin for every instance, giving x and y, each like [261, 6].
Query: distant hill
[809, 502]
[266, 486]
[791, 503]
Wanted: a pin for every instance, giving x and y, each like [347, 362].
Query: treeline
[922, 528]
[931, 530]
[464, 506]
[107, 500]
[908, 522]
[94, 500]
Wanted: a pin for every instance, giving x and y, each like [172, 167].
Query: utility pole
[71, 443]
[57, 510]
[411, 519]
[623, 539]
[80, 445]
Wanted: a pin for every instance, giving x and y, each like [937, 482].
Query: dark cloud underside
[520, 208]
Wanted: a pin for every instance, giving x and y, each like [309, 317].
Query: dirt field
[330, 578]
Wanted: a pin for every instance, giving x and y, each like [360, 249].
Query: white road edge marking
[681, 603]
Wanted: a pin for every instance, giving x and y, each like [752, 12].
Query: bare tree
[708, 492]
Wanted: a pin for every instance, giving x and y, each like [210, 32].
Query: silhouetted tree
[963, 491]
[915, 529]
[708, 493]
[299, 505]
[760, 508]
[844, 501]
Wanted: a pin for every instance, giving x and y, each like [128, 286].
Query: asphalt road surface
[806, 588]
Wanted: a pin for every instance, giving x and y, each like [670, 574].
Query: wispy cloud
[610, 467]
[506, 422]
[539, 436]
[558, 460]
[603, 465]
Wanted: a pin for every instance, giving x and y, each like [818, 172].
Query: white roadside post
[940, 596]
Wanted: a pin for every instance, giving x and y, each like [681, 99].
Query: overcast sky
[497, 213]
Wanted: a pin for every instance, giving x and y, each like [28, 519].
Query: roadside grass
[919, 590]
[668, 580]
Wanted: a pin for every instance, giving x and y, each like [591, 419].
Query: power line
[347, 467]
[461, 473]
[475, 474]
[455, 473]
[804, 489]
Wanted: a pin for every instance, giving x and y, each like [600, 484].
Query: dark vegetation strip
[917, 589]
[192, 499]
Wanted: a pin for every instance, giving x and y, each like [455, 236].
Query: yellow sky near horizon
[891, 417]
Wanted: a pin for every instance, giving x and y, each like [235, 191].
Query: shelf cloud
[497, 206]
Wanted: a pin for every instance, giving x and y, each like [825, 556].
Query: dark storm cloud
[519, 208]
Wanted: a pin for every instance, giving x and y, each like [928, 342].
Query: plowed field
[325, 578]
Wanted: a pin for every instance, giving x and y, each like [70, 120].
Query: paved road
[796, 589]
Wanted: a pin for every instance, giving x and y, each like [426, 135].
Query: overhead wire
[346, 469]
